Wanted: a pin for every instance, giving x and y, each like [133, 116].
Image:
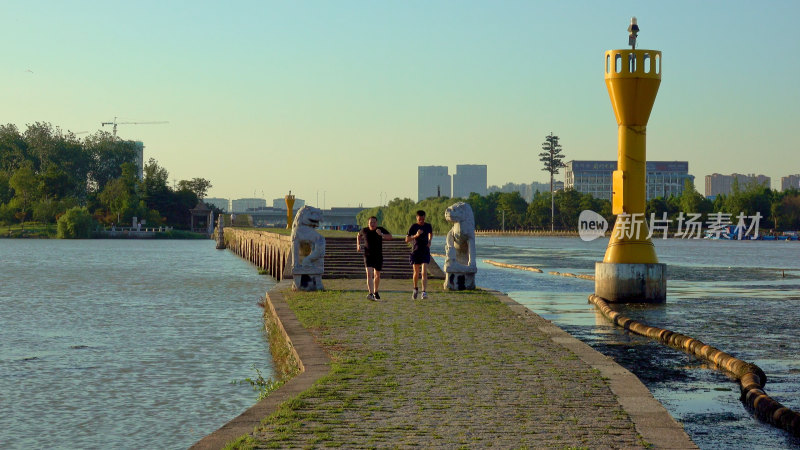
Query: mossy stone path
[455, 370]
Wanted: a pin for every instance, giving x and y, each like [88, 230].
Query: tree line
[779, 211]
[494, 211]
[45, 172]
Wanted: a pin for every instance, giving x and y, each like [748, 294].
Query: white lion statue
[460, 262]
[308, 249]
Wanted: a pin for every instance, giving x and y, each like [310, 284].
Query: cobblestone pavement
[455, 370]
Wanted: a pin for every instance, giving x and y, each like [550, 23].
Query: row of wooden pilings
[270, 252]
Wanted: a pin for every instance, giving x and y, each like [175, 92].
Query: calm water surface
[125, 344]
[741, 297]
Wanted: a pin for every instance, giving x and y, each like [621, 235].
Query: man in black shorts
[421, 234]
[373, 237]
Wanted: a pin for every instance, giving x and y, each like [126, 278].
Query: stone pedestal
[459, 281]
[220, 234]
[307, 282]
[631, 283]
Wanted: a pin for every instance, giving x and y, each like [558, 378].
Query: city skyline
[343, 101]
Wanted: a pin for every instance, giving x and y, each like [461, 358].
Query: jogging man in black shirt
[373, 237]
[421, 234]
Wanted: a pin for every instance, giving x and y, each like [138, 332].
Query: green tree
[155, 178]
[786, 211]
[6, 214]
[540, 209]
[56, 183]
[568, 208]
[76, 223]
[512, 209]
[108, 154]
[117, 198]
[26, 186]
[482, 210]
[13, 148]
[656, 206]
[45, 210]
[598, 205]
[754, 198]
[551, 157]
[6, 193]
[199, 186]
[692, 201]
[434, 208]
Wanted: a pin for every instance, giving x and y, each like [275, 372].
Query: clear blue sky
[344, 99]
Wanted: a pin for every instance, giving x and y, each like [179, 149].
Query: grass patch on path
[458, 369]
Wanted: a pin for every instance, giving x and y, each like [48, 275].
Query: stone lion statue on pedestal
[308, 250]
[460, 263]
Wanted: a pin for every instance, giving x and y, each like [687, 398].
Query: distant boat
[728, 233]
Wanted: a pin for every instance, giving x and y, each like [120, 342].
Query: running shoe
[414, 294]
[377, 296]
[370, 297]
[424, 295]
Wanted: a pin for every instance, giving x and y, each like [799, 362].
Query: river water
[741, 297]
[125, 343]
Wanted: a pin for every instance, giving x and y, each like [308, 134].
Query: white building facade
[790, 182]
[241, 205]
[432, 181]
[469, 178]
[222, 203]
[717, 184]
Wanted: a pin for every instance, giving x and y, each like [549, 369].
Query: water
[125, 343]
[731, 295]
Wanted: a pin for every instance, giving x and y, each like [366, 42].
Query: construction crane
[115, 123]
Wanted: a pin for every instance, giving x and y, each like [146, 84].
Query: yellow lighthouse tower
[630, 271]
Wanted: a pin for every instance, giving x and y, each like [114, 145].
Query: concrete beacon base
[459, 281]
[631, 283]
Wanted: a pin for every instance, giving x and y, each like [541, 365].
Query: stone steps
[343, 261]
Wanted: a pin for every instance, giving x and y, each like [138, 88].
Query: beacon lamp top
[633, 31]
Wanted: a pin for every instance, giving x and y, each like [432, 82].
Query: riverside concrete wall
[268, 251]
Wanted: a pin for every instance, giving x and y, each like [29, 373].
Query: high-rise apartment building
[717, 184]
[790, 182]
[432, 181]
[241, 205]
[221, 203]
[469, 178]
[664, 178]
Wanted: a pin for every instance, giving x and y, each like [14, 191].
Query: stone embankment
[461, 369]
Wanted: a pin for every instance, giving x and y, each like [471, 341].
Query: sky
[341, 101]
